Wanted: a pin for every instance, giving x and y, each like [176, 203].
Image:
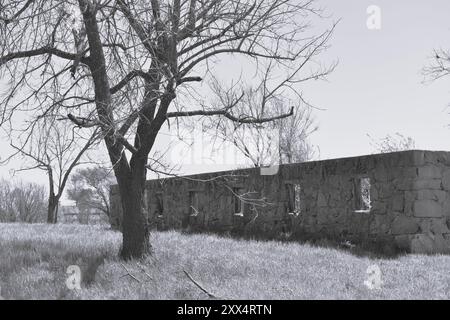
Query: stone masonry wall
[409, 201]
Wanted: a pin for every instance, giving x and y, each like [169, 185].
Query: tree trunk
[135, 231]
[52, 210]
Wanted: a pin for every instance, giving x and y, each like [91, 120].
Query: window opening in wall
[193, 203]
[294, 198]
[362, 195]
[159, 210]
[238, 206]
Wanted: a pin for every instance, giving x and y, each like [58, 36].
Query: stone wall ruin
[400, 198]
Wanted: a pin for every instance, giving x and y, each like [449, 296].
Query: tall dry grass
[34, 259]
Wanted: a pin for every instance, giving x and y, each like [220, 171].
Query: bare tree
[256, 141]
[22, 202]
[397, 142]
[6, 203]
[56, 149]
[283, 140]
[127, 66]
[89, 187]
[439, 66]
[294, 132]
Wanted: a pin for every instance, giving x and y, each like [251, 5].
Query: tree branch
[75, 162]
[18, 13]
[225, 112]
[82, 122]
[88, 123]
[130, 76]
[188, 79]
[41, 51]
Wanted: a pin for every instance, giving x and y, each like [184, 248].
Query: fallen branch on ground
[199, 286]
[129, 274]
[144, 271]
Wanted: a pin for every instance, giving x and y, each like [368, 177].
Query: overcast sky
[377, 87]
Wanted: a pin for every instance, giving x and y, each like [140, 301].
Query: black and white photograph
[224, 154]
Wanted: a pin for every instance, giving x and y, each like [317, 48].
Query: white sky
[376, 89]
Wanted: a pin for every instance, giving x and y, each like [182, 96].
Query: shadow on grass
[360, 248]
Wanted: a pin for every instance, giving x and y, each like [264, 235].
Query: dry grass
[34, 259]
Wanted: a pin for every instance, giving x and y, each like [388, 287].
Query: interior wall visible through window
[294, 197]
[362, 195]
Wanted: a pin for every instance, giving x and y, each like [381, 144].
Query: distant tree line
[22, 202]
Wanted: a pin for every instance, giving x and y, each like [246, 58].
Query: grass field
[34, 260]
